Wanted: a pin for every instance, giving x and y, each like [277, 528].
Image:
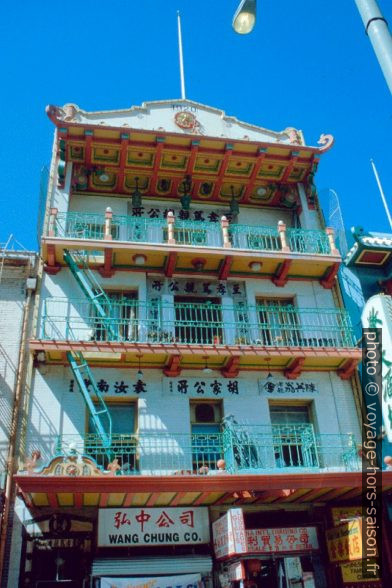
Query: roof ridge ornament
[327, 141]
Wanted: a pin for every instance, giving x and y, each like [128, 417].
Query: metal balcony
[197, 324]
[110, 241]
[90, 226]
[275, 449]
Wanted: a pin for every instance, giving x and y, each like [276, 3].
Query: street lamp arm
[376, 27]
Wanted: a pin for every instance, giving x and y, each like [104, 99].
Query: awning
[186, 490]
[154, 565]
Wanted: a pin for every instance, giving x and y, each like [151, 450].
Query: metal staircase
[77, 263]
[99, 411]
[98, 408]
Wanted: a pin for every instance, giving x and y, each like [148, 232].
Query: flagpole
[182, 77]
[384, 201]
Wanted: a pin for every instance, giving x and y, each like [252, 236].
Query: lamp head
[245, 17]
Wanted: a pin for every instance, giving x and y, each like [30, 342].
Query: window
[278, 321]
[122, 318]
[198, 320]
[293, 436]
[124, 441]
[207, 449]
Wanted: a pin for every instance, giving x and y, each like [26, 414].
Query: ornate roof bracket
[281, 277]
[330, 275]
[295, 368]
[232, 368]
[172, 369]
[348, 369]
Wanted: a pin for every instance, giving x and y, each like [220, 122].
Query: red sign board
[285, 540]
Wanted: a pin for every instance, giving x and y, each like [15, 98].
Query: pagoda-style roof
[373, 250]
[161, 142]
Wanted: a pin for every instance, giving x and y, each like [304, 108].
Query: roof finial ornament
[182, 76]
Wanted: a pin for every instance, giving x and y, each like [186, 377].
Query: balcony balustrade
[261, 449]
[196, 324]
[89, 226]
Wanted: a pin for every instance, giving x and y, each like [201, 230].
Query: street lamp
[376, 27]
[245, 17]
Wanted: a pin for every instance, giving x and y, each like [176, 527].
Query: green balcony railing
[245, 449]
[197, 323]
[83, 225]
[259, 447]
[254, 237]
[308, 241]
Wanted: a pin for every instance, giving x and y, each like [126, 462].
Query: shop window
[206, 418]
[124, 439]
[293, 436]
[122, 318]
[198, 320]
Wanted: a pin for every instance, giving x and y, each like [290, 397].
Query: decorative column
[52, 222]
[170, 228]
[225, 232]
[283, 236]
[108, 224]
[331, 239]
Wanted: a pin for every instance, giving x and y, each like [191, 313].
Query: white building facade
[191, 356]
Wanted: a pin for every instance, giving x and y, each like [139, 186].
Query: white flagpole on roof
[182, 76]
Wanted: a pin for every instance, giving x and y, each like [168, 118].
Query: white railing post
[170, 228]
[283, 236]
[108, 224]
[52, 222]
[225, 232]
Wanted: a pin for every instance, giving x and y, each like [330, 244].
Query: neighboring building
[17, 285]
[369, 266]
[191, 359]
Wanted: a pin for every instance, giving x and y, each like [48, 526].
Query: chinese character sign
[287, 387]
[152, 526]
[286, 540]
[229, 534]
[344, 542]
[206, 387]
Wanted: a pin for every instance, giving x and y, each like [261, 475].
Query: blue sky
[307, 64]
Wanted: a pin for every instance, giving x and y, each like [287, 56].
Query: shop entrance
[280, 572]
[56, 551]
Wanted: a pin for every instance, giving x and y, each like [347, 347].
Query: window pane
[284, 415]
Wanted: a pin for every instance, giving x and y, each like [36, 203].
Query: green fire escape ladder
[91, 288]
[99, 411]
[85, 278]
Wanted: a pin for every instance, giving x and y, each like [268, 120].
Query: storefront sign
[344, 542]
[352, 572]
[341, 514]
[236, 571]
[281, 540]
[205, 387]
[152, 526]
[229, 534]
[279, 387]
[186, 581]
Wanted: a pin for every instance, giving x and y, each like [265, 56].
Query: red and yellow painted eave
[153, 155]
[219, 262]
[122, 491]
[230, 359]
